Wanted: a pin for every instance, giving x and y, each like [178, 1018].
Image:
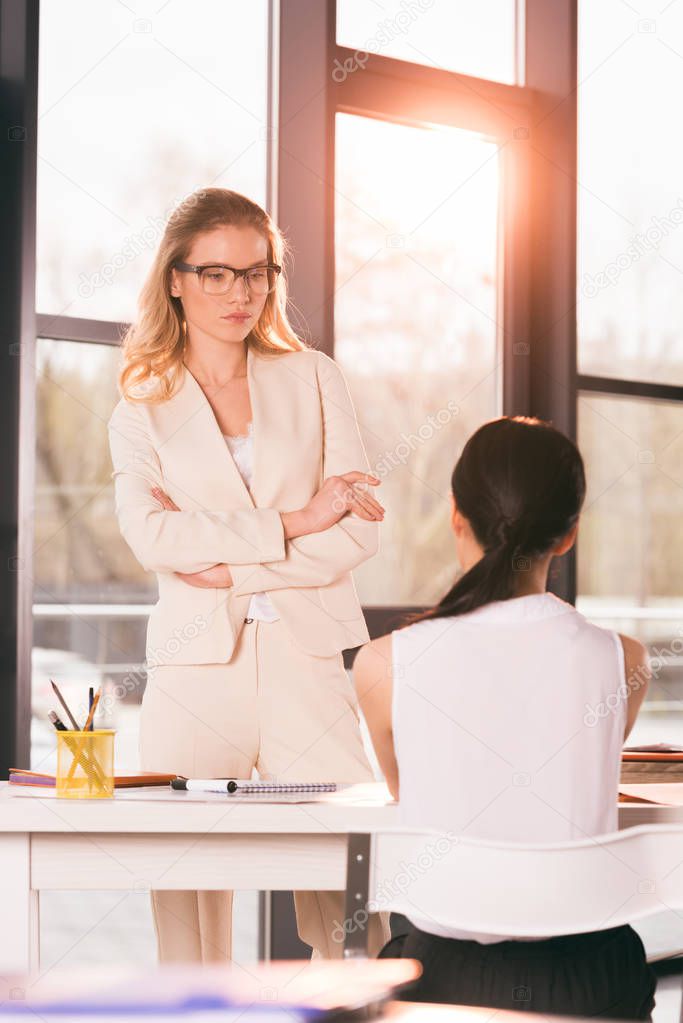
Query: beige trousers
[291, 715]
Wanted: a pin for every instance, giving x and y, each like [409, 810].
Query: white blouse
[508, 725]
[242, 450]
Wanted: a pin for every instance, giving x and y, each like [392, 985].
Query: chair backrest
[527, 890]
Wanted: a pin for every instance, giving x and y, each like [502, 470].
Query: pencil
[91, 715]
[61, 699]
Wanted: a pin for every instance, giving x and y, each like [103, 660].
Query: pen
[93, 707]
[203, 785]
[91, 693]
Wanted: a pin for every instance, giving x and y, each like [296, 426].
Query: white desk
[129, 844]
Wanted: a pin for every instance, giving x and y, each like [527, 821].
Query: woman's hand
[216, 577]
[339, 495]
[163, 498]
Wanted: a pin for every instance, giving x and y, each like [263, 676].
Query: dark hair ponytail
[521, 484]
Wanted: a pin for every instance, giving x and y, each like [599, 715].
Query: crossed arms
[250, 540]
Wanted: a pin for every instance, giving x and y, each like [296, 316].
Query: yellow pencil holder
[85, 764]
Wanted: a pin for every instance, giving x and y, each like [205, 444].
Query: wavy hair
[154, 343]
[521, 484]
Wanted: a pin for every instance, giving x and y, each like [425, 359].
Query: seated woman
[497, 711]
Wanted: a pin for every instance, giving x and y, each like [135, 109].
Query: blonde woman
[242, 482]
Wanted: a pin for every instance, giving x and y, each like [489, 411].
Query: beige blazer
[305, 430]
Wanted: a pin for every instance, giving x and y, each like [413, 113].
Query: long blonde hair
[153, 345]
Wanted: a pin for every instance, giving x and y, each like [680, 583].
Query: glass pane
[630, 551]
[438, 33]
[137, 109]
[416, 331]
[630, 259]
[91, 597]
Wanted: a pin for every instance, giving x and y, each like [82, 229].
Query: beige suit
[305, 430]
[224, 697]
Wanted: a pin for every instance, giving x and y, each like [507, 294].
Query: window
[630, 574]
[630, 261]
[138, 107]
[630, 350]
[135, 113]
[437, 33]
[416, 329]
[630, 256]
[91, 597]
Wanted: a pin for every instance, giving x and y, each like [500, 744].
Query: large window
[430, 130]
[630, 353]
[630, 201]
[630, 577]
[416, 329]
[452, 35]
[136, 110]
[139, 106]
[91, 597]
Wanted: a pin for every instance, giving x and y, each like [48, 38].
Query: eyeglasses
[218, 279]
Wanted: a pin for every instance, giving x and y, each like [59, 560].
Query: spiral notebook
[284, 786]
[251, 789]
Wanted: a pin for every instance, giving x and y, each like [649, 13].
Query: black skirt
[601, 973]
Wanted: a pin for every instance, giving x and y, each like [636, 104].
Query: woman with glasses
[242, 482]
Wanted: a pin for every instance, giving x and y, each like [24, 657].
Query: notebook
[123, 780]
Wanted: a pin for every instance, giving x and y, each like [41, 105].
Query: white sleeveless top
[242, 450]
[508, 724]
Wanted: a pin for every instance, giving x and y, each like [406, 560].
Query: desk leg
[19, 934]
[34, 930]
[357, 894]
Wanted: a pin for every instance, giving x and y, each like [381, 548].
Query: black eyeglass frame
[197, 269]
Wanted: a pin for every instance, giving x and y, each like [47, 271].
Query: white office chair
[508, 888]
